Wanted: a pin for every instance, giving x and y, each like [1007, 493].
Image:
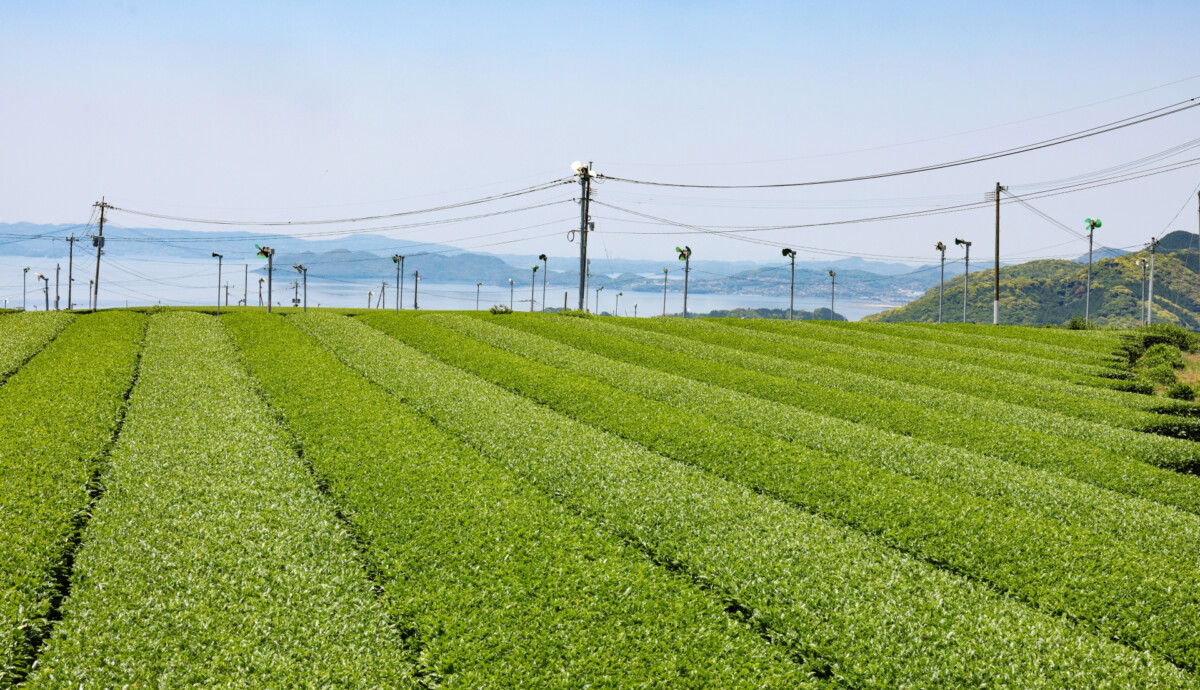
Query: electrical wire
[1131, 121]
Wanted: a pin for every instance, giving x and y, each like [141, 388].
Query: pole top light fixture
[962, 242]
[940, 246]
[789, 252]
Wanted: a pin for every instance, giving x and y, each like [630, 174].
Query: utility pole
[966, 274]
[585, 197]
[478, 286]
[57, 268]
[24, 289]
[260, 283]
[1150, 295]
[598, 290]
[664, 290]
[382, 302]
[416, 283]
[587, 284]
[996, 295]
[792, 299]
[1142, 304]
[303, 270]
[98, 243]
[532, 285]
[941, 247]
[510, 294]
[70, 268]
[227, 293]
[46, 289]
[545, 273]
[832, 291]
[220, 258]
[246, 287]
[399, 261]
[1092, 224]
[685, 255]
[269, 253]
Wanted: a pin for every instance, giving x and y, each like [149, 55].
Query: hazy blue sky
[295, 110]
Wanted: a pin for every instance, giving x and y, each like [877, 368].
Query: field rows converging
[496, 583]
[58, 415]
[363, 498]
[1045, 563]
[212, 558]
[859, 611]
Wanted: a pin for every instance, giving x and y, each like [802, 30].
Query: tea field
[452, 499]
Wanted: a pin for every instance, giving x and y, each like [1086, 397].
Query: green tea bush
[500, 309]
[1159, 354]
[1181, 391]
[1160, 374]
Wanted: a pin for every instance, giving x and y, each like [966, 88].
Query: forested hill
[1052, 292]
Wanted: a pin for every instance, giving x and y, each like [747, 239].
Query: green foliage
[1161, 354]
[57, 417]
[23, 334]
[1181, 391]
[212, 559]
[1078, 323]
[1006, 546]
[1160, 374]
[1171, 334]
[457, 540]
[878, 611]
[501, 309]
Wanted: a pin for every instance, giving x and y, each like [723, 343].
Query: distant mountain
[1054, 291]
[1178, 240]
[1101, 253]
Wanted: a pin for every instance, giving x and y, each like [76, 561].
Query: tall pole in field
[1092, 224]
[966, 274]
[792, 299]
[246, 286]
[617, 304]
[219, 259]
[46, 289]
[416, 283]
[545, 273]
[832, 291]
[664, 291]
[399, 261]
[532, 285]
[24, 289]
[57, 268]
[98, 243]
[598, 290]
[70, 268]
[269, 255]
[304, 272]
[510, 294]
[477, 287]
[585, 186]
[996, 295]
[1142, 303]
[1150, 292]
[941, 247]
[685, 255]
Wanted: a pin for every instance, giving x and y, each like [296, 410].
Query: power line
[1141, 118]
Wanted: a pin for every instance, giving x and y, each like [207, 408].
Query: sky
[300, 111]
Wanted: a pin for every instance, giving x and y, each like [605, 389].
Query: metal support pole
[70, 269]
[1092, 224]
[478, 286]
[966, 274]
[416, 281]
[996, 293]
[792, 298]
[1150, 292]
[832, 292]
[57, 269]
[545, 275]
[585, 186]
[219, 260]
[664, 291]
[941, 247]
[532, 286]
[98, 240]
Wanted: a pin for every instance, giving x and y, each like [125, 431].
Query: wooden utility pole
[98, 242]
[70, 268]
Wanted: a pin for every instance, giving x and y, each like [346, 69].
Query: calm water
[126, 282]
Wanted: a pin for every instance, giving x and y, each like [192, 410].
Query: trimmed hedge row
[776, 356]
[58, 415]
[1120, 592]
[212, 558]
[854, 610]
[1098, 405]
[23, 334]
[650, 372]
[500, 585]
[1068, 344]
[859, 399]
